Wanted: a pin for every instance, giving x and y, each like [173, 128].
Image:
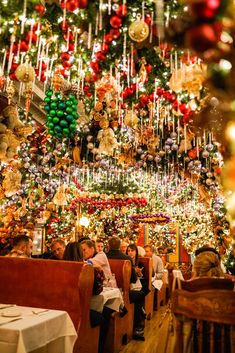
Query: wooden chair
[148, 269]
[209, 303]
[160, 295]
[120, 328]
[202, 283]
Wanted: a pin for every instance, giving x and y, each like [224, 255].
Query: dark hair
[22, 239]
[83, 238]
[134, 247]
[114, 243]
[206, 248]
[73, 252]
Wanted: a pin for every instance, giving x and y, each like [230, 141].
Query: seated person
[207, 263]
[99, 245]
[73, 252]
[137, 295]
[22, 247]
[96, 258]
[158, 267]
[57, 249]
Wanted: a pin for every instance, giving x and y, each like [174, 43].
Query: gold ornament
[57, 81]
[25, 72]
[138, 30]
[10, 90]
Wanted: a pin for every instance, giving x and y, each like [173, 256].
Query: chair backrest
[122, 271]
[52, 284]
[202, 283]
[148, 269]
[211, 310]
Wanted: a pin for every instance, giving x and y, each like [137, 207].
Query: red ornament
[82, 4]
[95, 66]
[204, 9]
[71, 47]
[66, 64]
[108, 38]
[115, 33]
[71, 5]
[40, 9]
[24, 46]
[115, 22]
[148, 68]
[33, 37]
[65, 56]
[201, 37]
[100, 56]
[122, 11]
[144, 99]
[147, 20]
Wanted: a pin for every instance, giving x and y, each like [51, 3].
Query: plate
[11, 313]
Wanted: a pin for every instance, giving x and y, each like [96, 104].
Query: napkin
[6, 320]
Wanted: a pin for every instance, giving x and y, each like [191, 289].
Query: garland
[138, 202]
[151, 218]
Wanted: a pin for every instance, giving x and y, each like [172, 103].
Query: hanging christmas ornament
[10, 90]
[57, 81]
[138, 30]
[61, 114]
[25, 72]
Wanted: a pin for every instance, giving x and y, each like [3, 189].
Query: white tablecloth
[110, 297]
[51, 331]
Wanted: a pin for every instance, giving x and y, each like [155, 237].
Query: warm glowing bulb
[84, 221]
[230, 131]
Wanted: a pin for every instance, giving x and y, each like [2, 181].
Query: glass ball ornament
[138, 30]
[25, 72]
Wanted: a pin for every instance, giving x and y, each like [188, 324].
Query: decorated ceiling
[133, 120]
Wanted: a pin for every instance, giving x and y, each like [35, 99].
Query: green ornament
[47, 100]
[69, 110]
[60, 113]
[75, 101]
[75, 115]
[63, 123]
[66, 131]
[50, 125]
[49, 93]
[74, 107]
[47, 108]
[51, 132]
[49, 118]
[68, 103]
[52, 112]
[57, 129]
[61, 105]
[53, 105]
[69, 118]
[55, 120]
[72, 127]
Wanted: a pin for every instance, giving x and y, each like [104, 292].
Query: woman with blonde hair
[207, 263]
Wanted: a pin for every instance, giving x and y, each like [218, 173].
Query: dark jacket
[117, 254]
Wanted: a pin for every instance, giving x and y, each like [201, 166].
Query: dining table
[35, 330]
[109, 297]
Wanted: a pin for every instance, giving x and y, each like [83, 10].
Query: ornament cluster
[61, 114]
